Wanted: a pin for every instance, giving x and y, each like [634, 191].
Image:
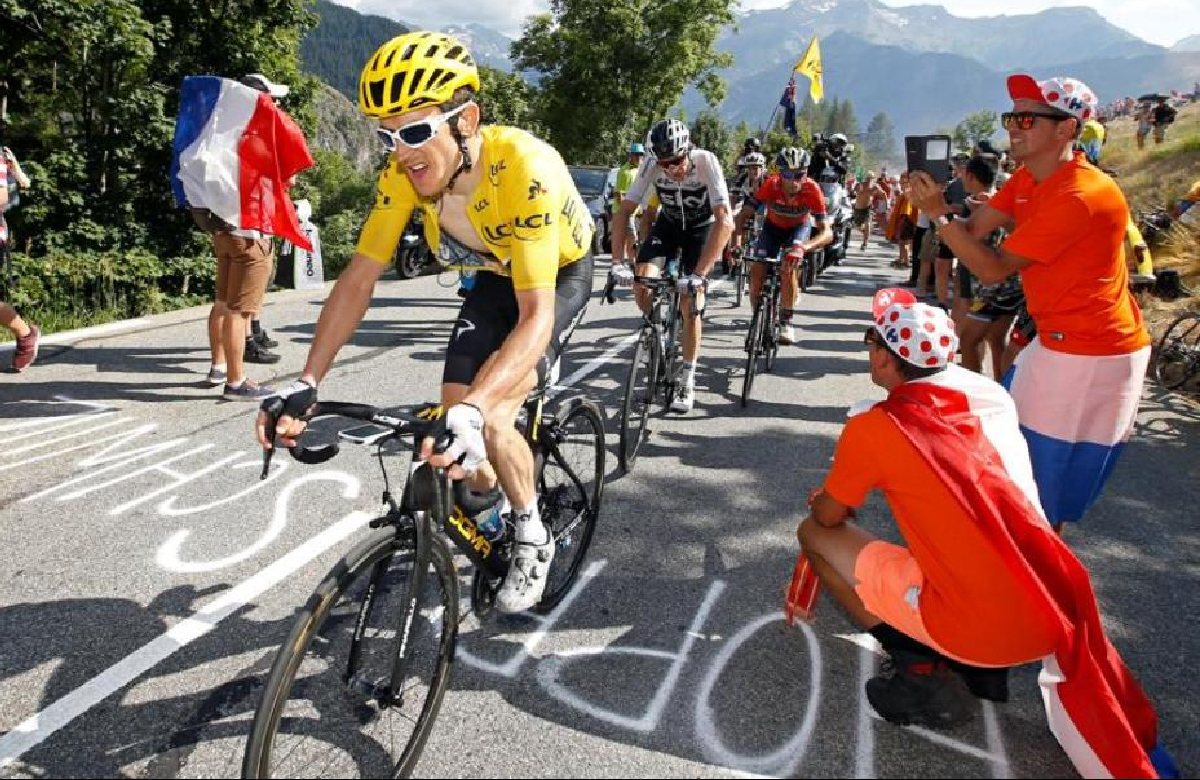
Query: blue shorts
[774, 238]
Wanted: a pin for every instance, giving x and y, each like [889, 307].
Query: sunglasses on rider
[673, 162]
[1024, 120]
[790, 175]
[415, 134]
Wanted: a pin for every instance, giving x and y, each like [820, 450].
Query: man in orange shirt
[948, 594]
[983, 583]
[1077, 386]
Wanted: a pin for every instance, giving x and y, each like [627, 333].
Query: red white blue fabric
[234, 152]
[1077, 413]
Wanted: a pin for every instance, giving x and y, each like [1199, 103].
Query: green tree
[610, 68]
[880, 140]
[710, 132]
[974, 128]
[507, 99]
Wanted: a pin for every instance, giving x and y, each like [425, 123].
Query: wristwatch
[942, 220]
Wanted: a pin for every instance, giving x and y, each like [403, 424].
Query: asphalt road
[148, 576]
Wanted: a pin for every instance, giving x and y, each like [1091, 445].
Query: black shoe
[919, 690]
[990, 684]
[257, 354]
[264, 340]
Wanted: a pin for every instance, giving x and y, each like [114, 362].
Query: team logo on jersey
[481, 205]
[534, 221]
[497, 233]
[536, 189]
[494, 171]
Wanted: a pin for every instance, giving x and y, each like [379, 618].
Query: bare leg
[971, 336]
[942, 270]
[692, 329]
[216, 326]
[11, 320]
[833, 553]
[234, 332]
[640, 294]
[996, 334]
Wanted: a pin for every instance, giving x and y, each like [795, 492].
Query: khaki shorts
[243, 271]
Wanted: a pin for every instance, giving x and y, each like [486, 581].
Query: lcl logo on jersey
[497, 233]
[534, 221]
[494, 171]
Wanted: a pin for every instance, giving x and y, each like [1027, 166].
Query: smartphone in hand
[929, 153]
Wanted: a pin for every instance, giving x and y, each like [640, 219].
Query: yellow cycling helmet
[414, 70]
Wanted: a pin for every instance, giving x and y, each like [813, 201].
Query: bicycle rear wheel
[570, 482]
[639, 398]
[1177, 358]
[330, 707]
[754, 345]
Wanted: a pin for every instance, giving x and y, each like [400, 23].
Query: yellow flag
[810, 65]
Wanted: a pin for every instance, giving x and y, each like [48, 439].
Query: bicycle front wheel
[1177, 358]
[754, 345]
[570, 482]
[771, 334]
[639, 398]
[332, 706]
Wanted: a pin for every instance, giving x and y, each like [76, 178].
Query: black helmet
[669, 138]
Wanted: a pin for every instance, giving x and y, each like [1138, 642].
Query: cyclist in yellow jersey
[493, 198]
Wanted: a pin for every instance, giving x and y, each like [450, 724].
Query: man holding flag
[235, 156]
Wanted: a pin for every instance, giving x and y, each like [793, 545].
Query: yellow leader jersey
[526, 210]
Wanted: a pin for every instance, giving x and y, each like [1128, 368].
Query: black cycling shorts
[490, 313]
[668, 239]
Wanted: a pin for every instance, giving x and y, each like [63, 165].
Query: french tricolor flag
[965, 429]
[234, 153]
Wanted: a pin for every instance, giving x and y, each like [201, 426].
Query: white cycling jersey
[688, 203]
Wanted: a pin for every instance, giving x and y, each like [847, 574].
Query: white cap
[263, 84]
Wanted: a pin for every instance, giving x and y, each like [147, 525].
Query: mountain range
[923, 66]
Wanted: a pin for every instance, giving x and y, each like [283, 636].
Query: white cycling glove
[464, 423]
[622, 275]
[690, 282]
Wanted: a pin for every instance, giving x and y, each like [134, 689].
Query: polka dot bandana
[1061, 92]
[921, 334]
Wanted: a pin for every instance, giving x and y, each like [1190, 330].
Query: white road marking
[38, 727]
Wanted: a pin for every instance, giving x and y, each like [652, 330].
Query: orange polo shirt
[1072, 227]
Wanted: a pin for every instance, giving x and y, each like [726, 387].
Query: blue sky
[1159, 21]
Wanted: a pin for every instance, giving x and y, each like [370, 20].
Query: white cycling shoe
[526, 580]
[685, 397]
[787, 334]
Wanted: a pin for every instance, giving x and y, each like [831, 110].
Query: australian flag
[788, 102]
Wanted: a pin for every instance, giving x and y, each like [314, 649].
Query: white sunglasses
[416, 134]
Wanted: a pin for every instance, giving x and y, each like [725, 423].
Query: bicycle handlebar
[401, 423]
